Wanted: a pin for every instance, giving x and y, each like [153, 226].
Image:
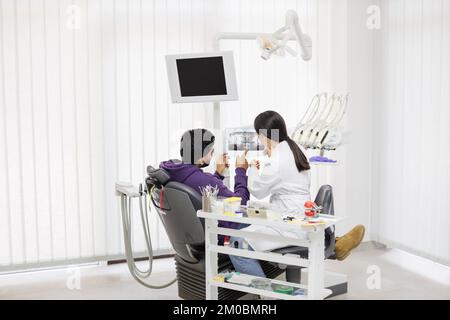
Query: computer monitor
[202, 77]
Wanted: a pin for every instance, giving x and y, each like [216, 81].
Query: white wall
[396, 163]
[360, 69]
[347, 64]
[411, 204]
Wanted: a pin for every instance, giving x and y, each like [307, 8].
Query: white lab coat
[288, 189]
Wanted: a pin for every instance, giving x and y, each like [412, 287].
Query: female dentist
[286, 178]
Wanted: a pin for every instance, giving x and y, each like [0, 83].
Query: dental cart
[317, 278]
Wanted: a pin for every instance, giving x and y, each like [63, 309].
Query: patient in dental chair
[196, 150]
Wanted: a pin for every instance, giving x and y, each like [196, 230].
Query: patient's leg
[242, 264]
[348, 242]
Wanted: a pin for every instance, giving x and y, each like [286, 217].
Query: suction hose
[126, 209]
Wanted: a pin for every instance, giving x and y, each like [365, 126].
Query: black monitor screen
[201, 77]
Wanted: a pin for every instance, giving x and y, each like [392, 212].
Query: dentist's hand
[222, 163]
[241, 162]
[256, 164]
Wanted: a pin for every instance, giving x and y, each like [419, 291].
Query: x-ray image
[241, 139]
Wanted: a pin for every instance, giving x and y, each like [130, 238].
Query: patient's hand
[241, 162]
[222, 163]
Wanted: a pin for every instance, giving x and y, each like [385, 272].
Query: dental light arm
[290, 31]
[303, 39]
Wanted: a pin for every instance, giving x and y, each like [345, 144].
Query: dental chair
[177, 205]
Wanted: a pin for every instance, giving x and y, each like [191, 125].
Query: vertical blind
[412, 149]
[84, 102]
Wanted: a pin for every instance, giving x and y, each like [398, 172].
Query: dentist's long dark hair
[270, 124]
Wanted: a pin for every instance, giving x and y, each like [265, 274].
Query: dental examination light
[270, 44]
[319, 126]
[276, 43]
[127, 192]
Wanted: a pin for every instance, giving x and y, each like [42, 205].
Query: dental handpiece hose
[126, 209]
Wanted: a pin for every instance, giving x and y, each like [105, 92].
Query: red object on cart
[311, 209]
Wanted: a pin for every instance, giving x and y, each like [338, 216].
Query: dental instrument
[324, 121]
[209, 195]
[209, 191]
[319, 120]
[310, 113]
[331, 137]
[321, 128]
[308, 127]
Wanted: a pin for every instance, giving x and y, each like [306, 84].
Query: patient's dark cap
[195, 144]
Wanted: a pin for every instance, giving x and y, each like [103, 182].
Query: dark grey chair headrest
[157, 176]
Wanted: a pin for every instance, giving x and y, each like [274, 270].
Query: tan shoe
[349, 241]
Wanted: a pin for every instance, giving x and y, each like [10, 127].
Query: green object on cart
[284, 289]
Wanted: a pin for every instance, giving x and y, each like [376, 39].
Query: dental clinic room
[252, 151]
